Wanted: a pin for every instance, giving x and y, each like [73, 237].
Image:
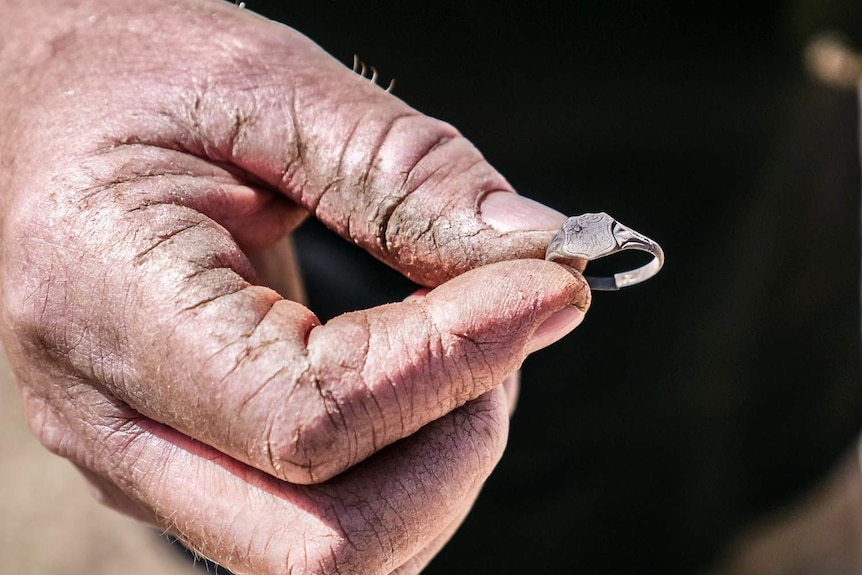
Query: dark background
[721, 390]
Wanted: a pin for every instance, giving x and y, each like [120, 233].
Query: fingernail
[555, 327]
[509, 212]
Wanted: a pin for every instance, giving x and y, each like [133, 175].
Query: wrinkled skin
[151, 154]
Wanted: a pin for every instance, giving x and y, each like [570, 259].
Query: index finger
[407, 188]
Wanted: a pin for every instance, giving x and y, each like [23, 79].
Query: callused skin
[149, 149]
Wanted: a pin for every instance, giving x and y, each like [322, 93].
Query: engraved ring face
[596, 235]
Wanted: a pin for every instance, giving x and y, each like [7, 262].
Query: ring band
[596, 235]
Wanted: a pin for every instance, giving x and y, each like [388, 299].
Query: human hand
[150, 150]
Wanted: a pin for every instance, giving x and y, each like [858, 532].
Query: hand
[150, 152]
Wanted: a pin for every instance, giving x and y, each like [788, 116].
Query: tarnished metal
[597, 235]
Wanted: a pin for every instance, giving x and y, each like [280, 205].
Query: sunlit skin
[150, 151]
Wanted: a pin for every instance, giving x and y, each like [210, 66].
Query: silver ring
[593, 236]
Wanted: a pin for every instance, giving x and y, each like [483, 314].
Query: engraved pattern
[596, 235]
[588, 236]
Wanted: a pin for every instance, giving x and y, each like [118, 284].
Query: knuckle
[332, 419]
[308, 441]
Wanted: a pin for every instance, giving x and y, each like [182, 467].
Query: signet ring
[597, 235]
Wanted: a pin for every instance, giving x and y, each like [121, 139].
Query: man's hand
[149, 152]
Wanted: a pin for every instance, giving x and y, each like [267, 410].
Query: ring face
[588, 236]
[596, 235]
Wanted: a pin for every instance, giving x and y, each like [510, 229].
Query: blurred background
[706, 421]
